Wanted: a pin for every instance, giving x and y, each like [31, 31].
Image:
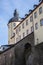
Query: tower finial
[16, 15]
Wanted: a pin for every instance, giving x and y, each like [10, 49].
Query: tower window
[14, 24]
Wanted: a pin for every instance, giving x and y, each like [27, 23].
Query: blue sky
[7, 8]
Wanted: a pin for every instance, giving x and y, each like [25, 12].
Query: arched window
[41, 22]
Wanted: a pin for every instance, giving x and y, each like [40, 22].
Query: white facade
[31, 24]
[38, 34]
[11, 27]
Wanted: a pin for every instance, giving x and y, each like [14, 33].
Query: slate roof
[15, 17]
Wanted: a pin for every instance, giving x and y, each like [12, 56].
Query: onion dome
[15, 18]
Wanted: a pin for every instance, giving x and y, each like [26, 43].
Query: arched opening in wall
[27, 51]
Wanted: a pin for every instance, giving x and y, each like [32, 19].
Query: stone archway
[27, 51]
[31, 57]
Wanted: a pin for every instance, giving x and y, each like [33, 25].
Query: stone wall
[23, 53]
[7, 57]
[39, 49]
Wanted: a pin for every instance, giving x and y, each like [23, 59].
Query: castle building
[13, 22]
[25, 39]
[33, 22]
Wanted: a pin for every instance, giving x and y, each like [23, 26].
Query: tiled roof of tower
[15, 18]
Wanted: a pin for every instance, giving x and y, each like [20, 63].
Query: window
[35, 15]
[23, 25]
[41, 22]
[16, 39]
[31, 18]
[32, 29]
[40, 10]
[23, 35]
[27, 32]
[26, 22]
[19, 37]
[19, 28]
[16, 31]
[36, 26]
[14, 24]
